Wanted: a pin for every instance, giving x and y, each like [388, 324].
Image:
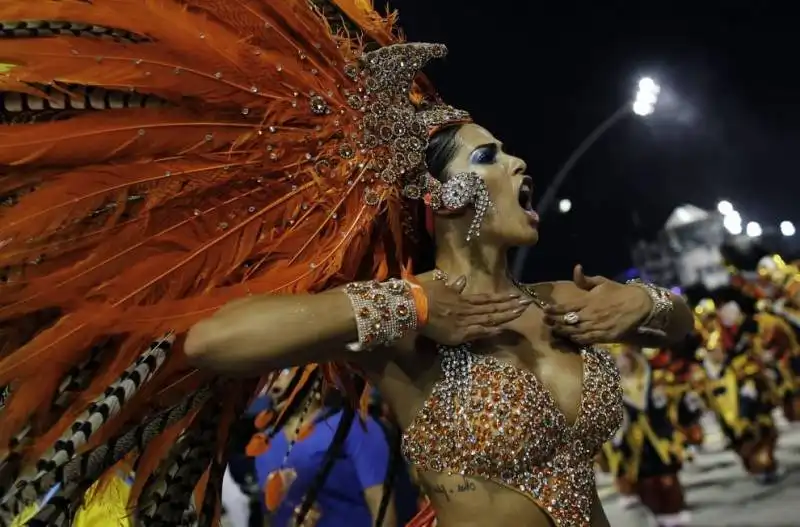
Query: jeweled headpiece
[395, 129]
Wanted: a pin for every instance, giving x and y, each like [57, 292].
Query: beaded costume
[161, 158]
[506, 427]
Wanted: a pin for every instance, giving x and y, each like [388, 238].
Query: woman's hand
[599, 310]
[455, 318]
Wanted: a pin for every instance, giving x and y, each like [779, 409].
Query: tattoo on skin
[465, 485]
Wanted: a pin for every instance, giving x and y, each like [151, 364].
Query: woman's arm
[609, 311]
[268, 332]
[679, 324]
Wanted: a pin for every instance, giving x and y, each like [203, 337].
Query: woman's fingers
[459, 284]
[490, 320]
[562, 309]
[484, 299]
[497, 306]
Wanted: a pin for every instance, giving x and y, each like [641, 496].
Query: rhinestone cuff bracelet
[385, 312]
[657, 321]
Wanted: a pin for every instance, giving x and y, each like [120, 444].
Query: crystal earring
[463, 189]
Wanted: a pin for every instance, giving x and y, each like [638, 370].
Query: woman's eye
[484, 156]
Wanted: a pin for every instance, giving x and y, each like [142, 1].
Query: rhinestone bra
[492, 420]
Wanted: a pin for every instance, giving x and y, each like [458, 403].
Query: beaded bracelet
[658, 319]
[385, 312]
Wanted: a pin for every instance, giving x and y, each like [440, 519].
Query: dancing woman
[166, 158]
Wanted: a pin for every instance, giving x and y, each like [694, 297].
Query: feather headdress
[159, 158]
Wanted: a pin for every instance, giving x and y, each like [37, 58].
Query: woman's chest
[550, 366]
[556, 368]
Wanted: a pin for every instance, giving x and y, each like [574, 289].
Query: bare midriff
[460, 501]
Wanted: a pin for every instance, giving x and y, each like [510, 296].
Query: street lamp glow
[648, 84]
[787, 228]
[725, 207]
[646, 97]
[564, 206]
[733, 224]
[753, 229]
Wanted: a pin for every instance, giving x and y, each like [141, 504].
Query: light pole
[643, 104]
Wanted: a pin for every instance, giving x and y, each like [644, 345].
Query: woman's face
[512, 220]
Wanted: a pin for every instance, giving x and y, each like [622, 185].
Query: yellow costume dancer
[647, 452]
[738, 389]
[781, 284]
[780, 351]
[675, 369]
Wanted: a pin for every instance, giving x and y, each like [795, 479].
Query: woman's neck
[485, 266]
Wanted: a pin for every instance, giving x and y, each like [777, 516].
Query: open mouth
[525, 198]
[525, 193]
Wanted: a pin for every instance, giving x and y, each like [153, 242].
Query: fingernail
[519, 311]
[526, 301]
[513, 295]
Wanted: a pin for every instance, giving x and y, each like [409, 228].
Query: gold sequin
[510, 430]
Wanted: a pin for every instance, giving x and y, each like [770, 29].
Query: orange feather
[129, 221]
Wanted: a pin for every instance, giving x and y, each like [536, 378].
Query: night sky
[541, 76]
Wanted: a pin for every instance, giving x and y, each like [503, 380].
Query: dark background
[541, 76]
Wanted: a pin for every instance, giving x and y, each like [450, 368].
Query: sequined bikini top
[489, 419]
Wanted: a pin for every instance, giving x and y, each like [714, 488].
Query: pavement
[719, 492]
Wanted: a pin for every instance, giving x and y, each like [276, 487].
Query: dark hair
[442, 148]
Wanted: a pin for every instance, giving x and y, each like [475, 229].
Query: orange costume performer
[160, 159]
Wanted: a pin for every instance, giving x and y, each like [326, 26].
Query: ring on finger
[571, 318]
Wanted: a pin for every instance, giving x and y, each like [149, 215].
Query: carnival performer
[341, 469]
[780, 352]
[679, 364]
[780, 283]
[738, 389]
[171, 157]
[649, 445]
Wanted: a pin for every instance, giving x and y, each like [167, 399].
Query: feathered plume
[159, 158]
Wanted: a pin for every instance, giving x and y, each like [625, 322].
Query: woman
[170, 157]
[501, 319]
